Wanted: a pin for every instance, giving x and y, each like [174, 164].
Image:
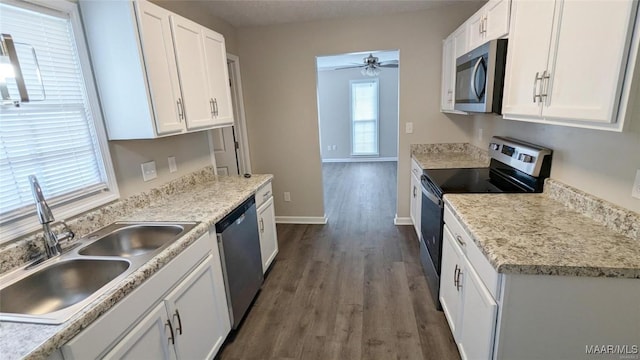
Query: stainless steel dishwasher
[239, 245]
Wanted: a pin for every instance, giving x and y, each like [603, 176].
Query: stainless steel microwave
[480, 78]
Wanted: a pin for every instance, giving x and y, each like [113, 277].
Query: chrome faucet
[45, 216]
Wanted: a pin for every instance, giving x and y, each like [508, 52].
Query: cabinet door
[529, 42]
[160, 66]
[461, 44]
[416, 195]
[268, 234]
[476, 29]
[447, 69]
[192, 68]
[497, 19]
[588, 59]
[450, 278]
[478, 321]
[150, 339]
[218, 78]
[197, 309]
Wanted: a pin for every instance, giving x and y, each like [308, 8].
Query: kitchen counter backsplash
[22, 250]
[467, 148]
[620, 220]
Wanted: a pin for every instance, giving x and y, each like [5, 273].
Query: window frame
[65, 207]
[375, 81]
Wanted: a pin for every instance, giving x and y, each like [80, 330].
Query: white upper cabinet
[218, 78]
[152, 69]
[489, 23]
[570, 62]
[452, 47]
[188, 41]
[164, 87]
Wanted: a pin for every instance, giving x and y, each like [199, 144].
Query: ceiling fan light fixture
[370, 70]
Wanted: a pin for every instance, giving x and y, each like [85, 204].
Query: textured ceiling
[249, 13]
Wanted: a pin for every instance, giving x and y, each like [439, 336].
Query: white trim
[360, 159]
[402, 220]
[313, 220]
[240, 122]
[70, 209]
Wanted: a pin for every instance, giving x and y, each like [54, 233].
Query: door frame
[239, 119]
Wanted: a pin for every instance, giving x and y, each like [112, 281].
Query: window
[58, 135]
[364, 117]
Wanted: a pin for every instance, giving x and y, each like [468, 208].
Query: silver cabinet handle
[180, 110]
[460, 241]
[455, 276]
[484, 24]
[480, 26]
[266, 195]
[458, 284]
[535, 87]
[261, 225]
[211, 106]
[544, 84]
[171, 338]
[179, 328]
[215, 103]
[414, 191]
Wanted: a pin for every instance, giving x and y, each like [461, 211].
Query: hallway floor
[351, 289]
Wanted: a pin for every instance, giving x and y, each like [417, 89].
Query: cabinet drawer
[416, 170]
[476, 258]
[263, 194]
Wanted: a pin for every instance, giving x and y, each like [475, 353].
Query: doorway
[358, 123]
[229, 145]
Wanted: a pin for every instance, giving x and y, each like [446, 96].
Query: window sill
[30, 224]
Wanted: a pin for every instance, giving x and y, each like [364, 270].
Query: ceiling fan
[371, 65]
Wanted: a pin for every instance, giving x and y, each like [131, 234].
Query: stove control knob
[525, 158]
[494, 146]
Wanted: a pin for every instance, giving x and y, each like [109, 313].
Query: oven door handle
[436, 200]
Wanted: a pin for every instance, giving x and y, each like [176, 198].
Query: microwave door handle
[473, 77]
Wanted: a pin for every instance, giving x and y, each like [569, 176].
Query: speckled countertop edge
[37, 341]
[499, 257]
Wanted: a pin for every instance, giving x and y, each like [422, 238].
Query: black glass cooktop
[468, 180]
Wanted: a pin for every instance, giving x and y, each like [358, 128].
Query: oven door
[431, 245]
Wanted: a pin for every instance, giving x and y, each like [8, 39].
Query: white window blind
[364, 124]
[53, 137]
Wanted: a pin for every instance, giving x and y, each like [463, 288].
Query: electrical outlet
[173, 167]
[636, 186]
[287, 196]
[408, 127]
[149, 171]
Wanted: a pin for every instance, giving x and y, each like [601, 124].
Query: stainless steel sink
[59, 286]
[53, 291]
[133, 240]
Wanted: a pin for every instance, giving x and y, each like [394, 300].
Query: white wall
[279, 82]
[334, 106]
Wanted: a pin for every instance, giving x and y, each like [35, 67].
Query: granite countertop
[449, 155]
[537, 234]
[207, 201]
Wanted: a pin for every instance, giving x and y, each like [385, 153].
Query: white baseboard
[360, 159]
[315, 220]
[402, 221]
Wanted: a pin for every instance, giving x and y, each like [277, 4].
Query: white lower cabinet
[179, 313]
[468, 306]
[530, 316]
[267, 226]
[415, 203]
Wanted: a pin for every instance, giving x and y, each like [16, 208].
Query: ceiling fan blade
[349, 67]
[388, 65]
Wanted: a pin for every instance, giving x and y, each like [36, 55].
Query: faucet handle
[68, 234]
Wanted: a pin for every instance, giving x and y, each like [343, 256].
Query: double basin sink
[53, 291]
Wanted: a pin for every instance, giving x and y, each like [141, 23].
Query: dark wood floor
[351, 289]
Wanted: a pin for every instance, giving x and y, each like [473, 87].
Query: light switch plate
[173, 167]
[149, 171]
[636, 186]
[408, 127]
[287, 196]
